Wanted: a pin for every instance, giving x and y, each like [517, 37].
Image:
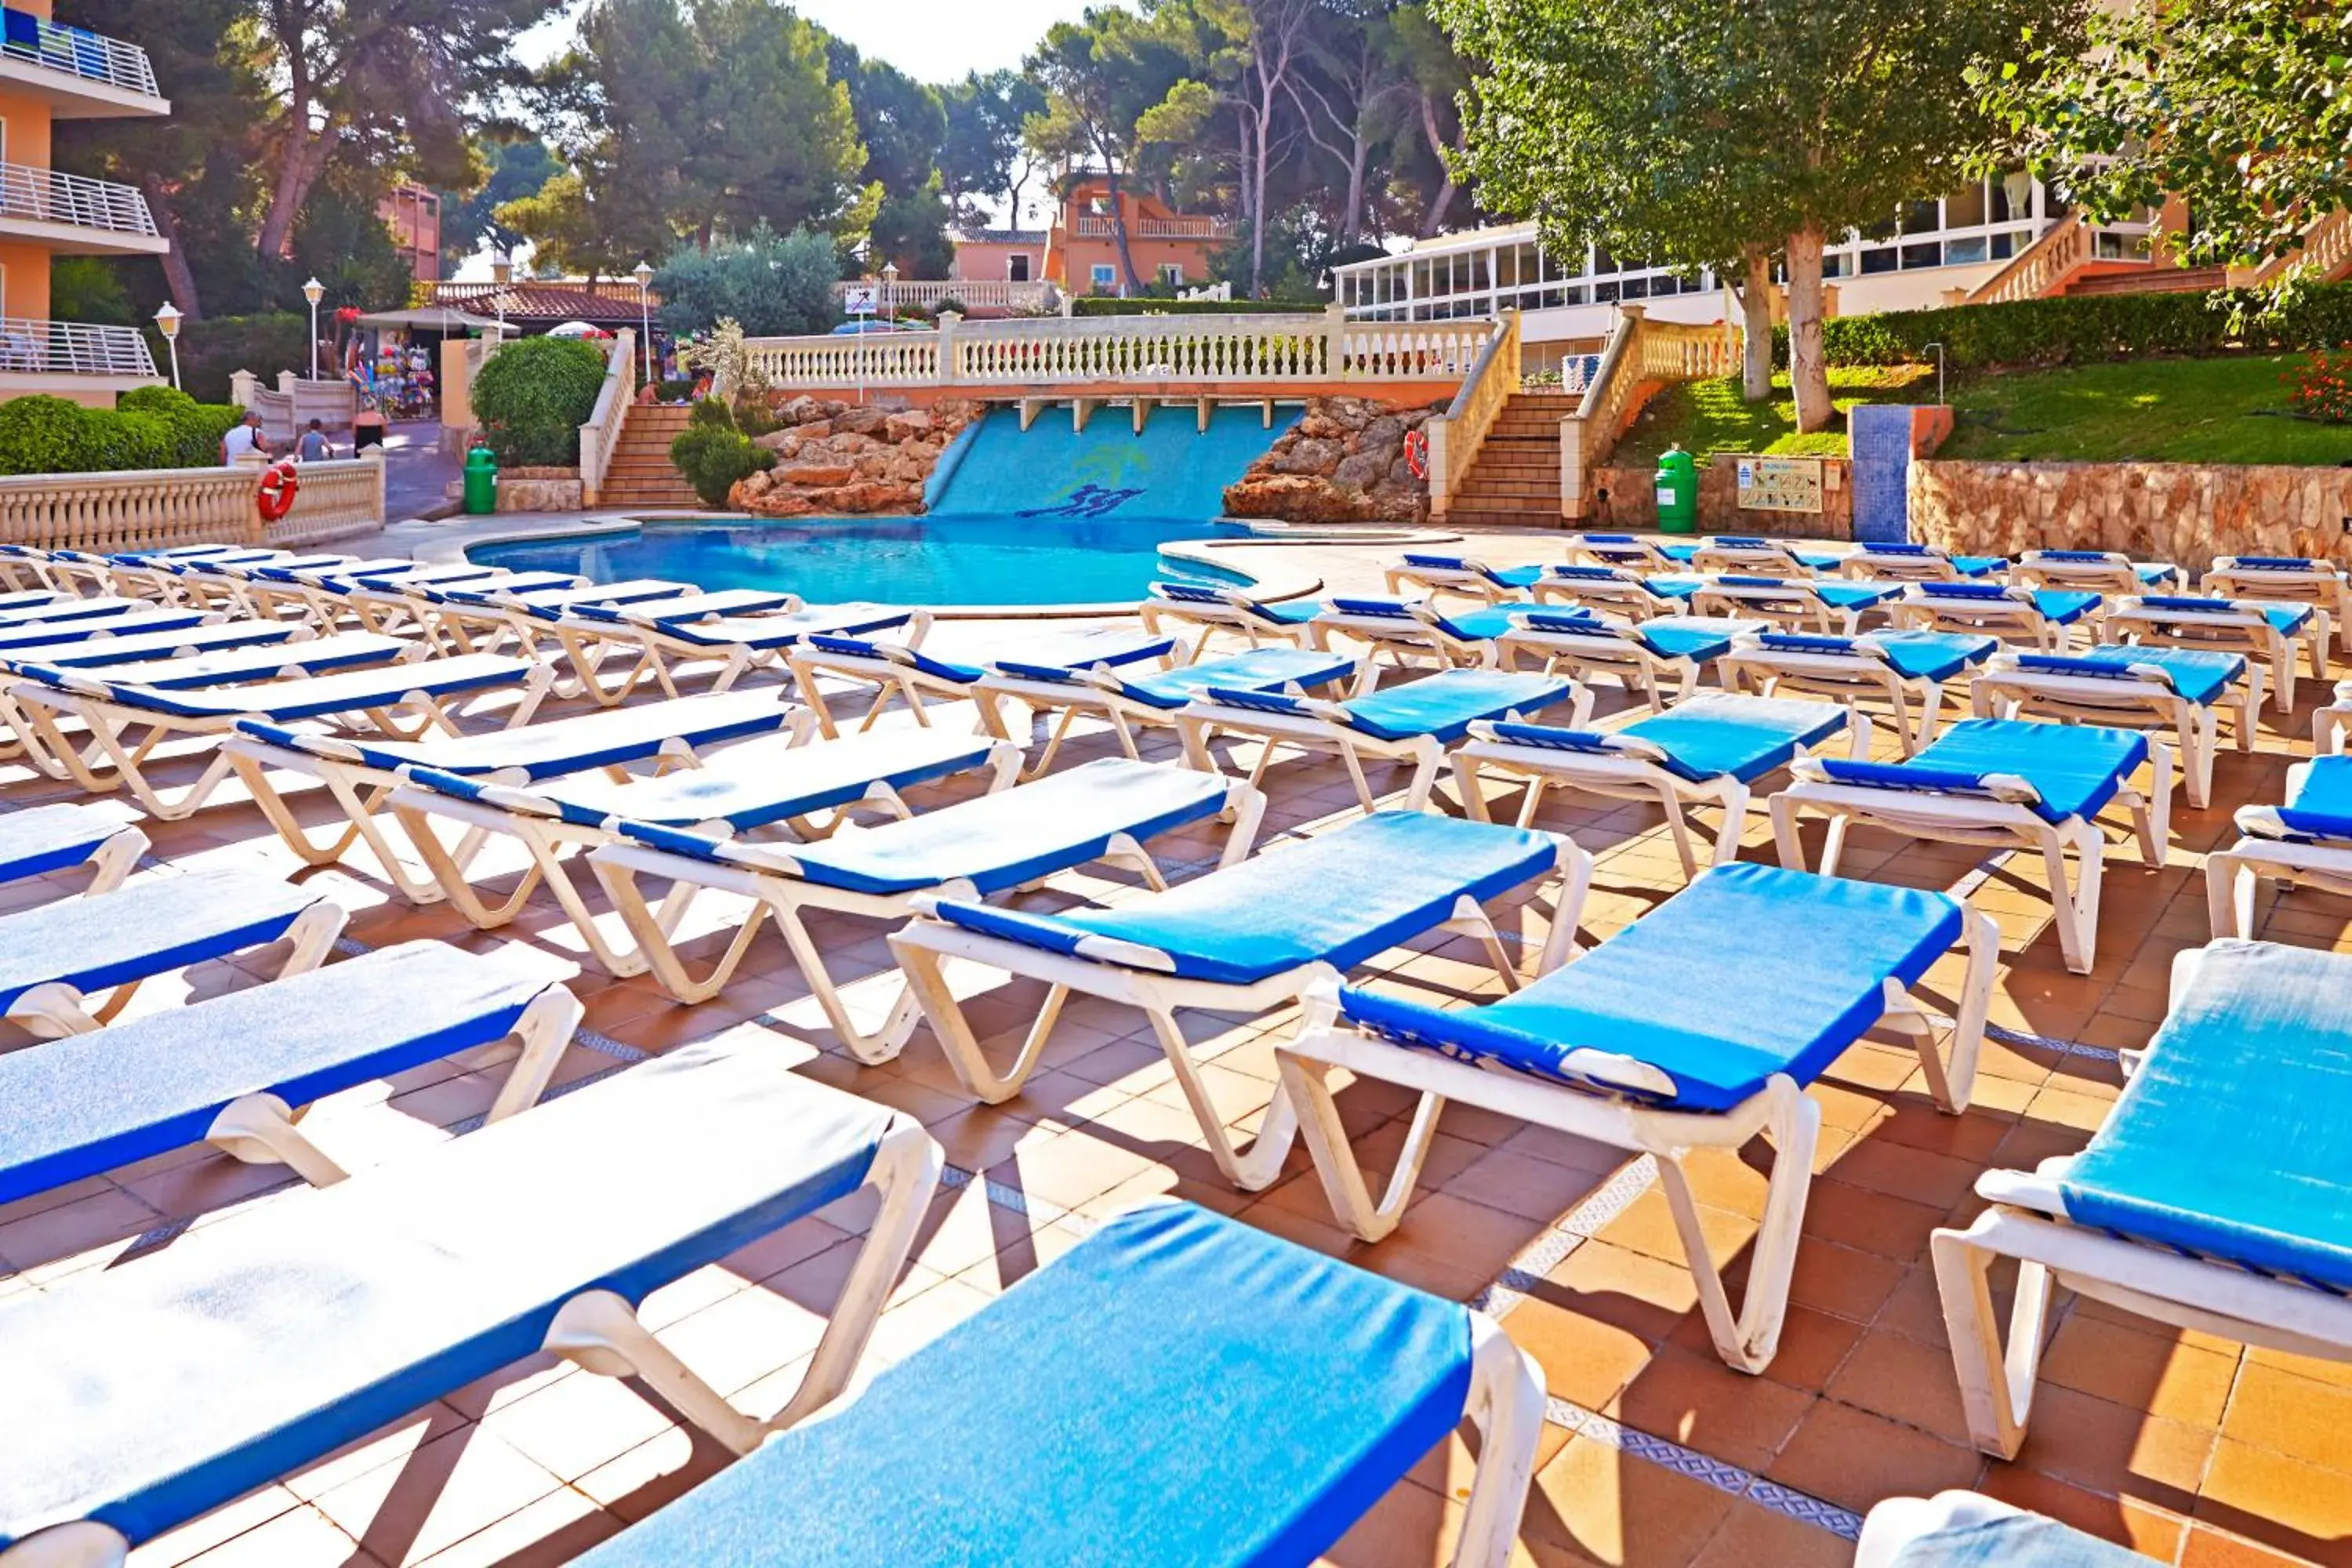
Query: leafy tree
[904, 126]
[775, 285]
[510, 168]
[1101, 74]
[2241, 107]
[1736, 126]
[577, 228]
[984, 154]
[1353, 97]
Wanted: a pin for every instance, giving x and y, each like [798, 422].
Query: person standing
[243, 440]
[314, 446]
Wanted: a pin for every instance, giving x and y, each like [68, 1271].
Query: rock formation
[845, 460]
[1343, 462]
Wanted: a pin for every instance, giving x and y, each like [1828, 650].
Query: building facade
[413, 215]
[51, 70]
[999, 256]
[1170, 248]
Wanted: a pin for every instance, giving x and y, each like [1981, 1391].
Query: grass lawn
[2221, 410]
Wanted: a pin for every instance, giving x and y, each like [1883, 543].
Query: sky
[931, 40]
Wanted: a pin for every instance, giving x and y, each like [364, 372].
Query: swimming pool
[975, 561]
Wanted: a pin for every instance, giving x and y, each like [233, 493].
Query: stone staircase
[641, 474]
[1514, 481]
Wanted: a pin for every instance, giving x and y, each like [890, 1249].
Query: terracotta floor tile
[299, 1539]
[2126, 1522]
[222, 1524]
[449, 1489]
[1585, 1360]
[2210, 1548]
[1622, 1511]
[2279, 1501]
[1842, 1282]
[1855, 1460]
[1700, 1402]
[2276, 1410]
[1903, 1380]
[2111, 1448]
[2152, 1372]
[1873, 1222]
[1752, 1535]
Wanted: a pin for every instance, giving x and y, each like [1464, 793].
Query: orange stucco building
[1078, 254]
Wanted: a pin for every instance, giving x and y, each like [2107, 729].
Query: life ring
[1416, 453]
[275, 499]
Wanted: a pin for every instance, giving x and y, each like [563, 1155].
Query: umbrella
[577, 329]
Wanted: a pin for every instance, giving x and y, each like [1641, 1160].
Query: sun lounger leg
[925, 973]
[645, 927]
[601, 1333]
[2231, 885]
[115, 860]
[259, 1128]
[1996, 1382]
[1749, 1341]
[544, 1032]
[1507, 1405]
[1307, 1083]
[1261, 1165]
[2075, 899]
[81, 1544]
[873, 1050]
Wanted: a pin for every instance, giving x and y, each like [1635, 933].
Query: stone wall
[1626, 499]
[1343, 462]
[840, 459]
[526, 490]
[2183, 512]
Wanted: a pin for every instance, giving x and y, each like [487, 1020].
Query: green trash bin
[1677, 483]
[481, 482]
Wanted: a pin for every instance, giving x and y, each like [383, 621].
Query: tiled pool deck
[2191, 1448]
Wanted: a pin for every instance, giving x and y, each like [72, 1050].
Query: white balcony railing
[45, 195]
[77, 52]
[71, 348]
[1093, 228]
[978, 293]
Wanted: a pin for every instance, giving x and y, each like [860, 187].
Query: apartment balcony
[1203, 229]
[80, 74]
[76, 217]
[72, 359]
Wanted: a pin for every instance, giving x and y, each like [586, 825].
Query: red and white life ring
[1416, 453]
[275, 499]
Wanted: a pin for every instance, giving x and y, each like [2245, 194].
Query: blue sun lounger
[2258, 628]
[976, 849]
[40, 840]
[2306, 842]
[771, 781]
[1462, 574]
[147, 1396]
[949, 668]
[2184, 690]
[1217, 609]
[2099, 571]
[1826, 605]
[1908, 669]
[2211, 1198]
[1410, 629]
[360, 771]
[113, 711]
[667, 638]
[2045, 617]
[1698, 1027]
[1752, 553]
[1133, 700]
[2009, 783]
[1413, 724]
[1639, 655]
[1893, 563]
[1193, 1392]
[1967, 1529]
[24, 641]
[1243, 941]
[2289, 580]
[236, 1071]
[162, 640]
[1629, 551]
[1710, 751]
[70, 966]
[474, 617]
[1619, 588]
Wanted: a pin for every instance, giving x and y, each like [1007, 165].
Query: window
[1172, 274]
[1104, 276]
[1016, 266]
[1965, 208]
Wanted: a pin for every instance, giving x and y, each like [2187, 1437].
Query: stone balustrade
[156, 509]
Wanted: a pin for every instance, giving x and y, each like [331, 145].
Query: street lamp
[314, 291]
[890, 289]
[644, 277]
[167, 321]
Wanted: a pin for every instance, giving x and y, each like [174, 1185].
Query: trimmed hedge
[533, 397]
[1106, 305]
[153, 427]
[2047, 333]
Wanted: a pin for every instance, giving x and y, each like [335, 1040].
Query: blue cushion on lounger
[1700, 638]
[1912, 655]
[236, 665]
[569, 745]
[1751, 971]
[784, 627]
[165, 642]
[87, 1103]
[2284, 619]
[35, 840]
[1289, 611]
[146, 929]
[2075, 768]
[1503, 577]
[1183, 1391]
[2318, 801]
[149, 1395]
[1710, 737]
[2281, 564]
[696, 607]
[2231, 1140]
[2021, 1541]
[1446, 704]
[1271, 668]
[1341, 898]
[2198, 675]
[913, 659]
[32, 642]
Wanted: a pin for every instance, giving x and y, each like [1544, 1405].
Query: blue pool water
[1045, 516]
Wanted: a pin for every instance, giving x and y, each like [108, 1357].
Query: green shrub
[1108, 305]
[777, 285]
[678, 389]
[196, 428]
[2082, 330]
[154, 427]
[713, 455]
[533, 397]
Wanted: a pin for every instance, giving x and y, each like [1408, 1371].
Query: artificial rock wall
[2183, 512]
[1343, 462]
[838, 458]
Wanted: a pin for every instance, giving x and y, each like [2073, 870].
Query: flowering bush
[2322, 387]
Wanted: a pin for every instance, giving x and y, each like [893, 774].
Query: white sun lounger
[112, 712]
[1228, 610]
[758, 784]
[1640, 656]
[1907, 671]
[360, 771]
[277, 657]
[410, 606]
[370, 599]
[149, 1395]
[2258, 628]
[1284, 1394]
[1241, 941]
[2099, 571]
[22, 640]
[1629, 551]
[1890, 563]
[949, 669]
[1828, 606]
[1000, 843]
[1618, 589]
[1969, 1530]
[1413, 724]
[1415, 631]
[2289, 580]
[1152, 698]
[2005, 782]
[237, 1071]
[1465, 575]
[2306, 842]
[169, 635]
[40, 840]
[1754, 554]
[1710, 751]
[672, 635]
[2210, 1199]
[2184, 690]
[70, 966]
[2046, 618]
[474, 617]
[233, 582]
[1698, 1027]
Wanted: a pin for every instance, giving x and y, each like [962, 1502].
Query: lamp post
[167, 321]
[890, 289]
[314, 291]
[644, 277]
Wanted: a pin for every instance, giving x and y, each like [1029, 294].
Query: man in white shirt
[244, 439]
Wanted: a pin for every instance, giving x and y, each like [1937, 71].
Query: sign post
[858, 301]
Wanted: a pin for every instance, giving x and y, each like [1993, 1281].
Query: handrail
[1456, 436]
[77, 52]
[2040, 268]
[50, 195]
[600, 437]
[1092, 228]
[2325, 251]
[1641, 355]
[981, 293]
[72, 348]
